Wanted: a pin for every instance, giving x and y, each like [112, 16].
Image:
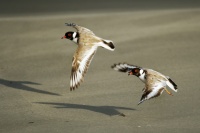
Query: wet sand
[35, 66]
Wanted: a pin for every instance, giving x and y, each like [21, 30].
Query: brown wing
[81, 61]
[80, 29]
[86, 36]
[83, 30]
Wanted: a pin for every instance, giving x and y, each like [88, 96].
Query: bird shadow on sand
[107, 110]
[22, 85]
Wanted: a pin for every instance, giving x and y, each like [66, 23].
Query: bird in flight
[87, 43]
[155, 82]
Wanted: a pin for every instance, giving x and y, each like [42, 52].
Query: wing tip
[74, 85]
[142, 99]
[70, 24]
[140, 102]
[72, 88]
[109, 44]
[113, 66]
[121, 67]
[173, 84]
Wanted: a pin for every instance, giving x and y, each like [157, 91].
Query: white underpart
[142, 76]
[101, 44]
[155, 90]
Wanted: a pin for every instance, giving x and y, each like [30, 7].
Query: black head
[134, 71]
[71, 36]
[68, 35]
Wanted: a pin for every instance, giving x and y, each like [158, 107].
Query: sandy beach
[35, 67]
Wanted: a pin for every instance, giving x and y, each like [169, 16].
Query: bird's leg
[168, 92]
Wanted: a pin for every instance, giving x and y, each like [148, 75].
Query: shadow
[107, 110]
[21, 85]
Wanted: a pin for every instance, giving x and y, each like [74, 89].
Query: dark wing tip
[119, 67]
[173, 83]
[70, 24]
[110, 44]
[74, 85]
[72, 88]
[140, 102]
[113, 66]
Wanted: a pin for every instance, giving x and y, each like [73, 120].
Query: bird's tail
[107, 44]
[171, 84]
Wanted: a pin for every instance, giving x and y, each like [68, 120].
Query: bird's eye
[69, 34]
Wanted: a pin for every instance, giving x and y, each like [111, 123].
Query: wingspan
[81, 61]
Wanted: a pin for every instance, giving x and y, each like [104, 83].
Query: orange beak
[63, 37]
[130, 73]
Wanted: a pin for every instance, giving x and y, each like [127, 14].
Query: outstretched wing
[123, 67]
[80, 64]
[80, 29]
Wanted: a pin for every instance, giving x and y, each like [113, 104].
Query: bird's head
[71, 36]
[135, 71]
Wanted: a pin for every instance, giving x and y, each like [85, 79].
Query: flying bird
[87, 43]
[155, 82]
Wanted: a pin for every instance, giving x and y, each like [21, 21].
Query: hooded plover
[87, 43]
[155, 82]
